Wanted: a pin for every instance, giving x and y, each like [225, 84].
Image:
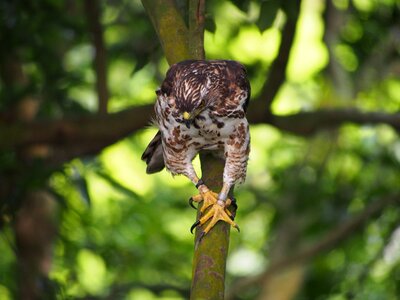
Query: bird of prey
[201, 105]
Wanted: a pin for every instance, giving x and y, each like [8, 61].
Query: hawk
[201, 105]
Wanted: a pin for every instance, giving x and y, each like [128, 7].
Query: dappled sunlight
[346, 57]
[251, 46]
[256, 226]
[225, 15]
[309, 54]
[245, 262]
[263, 137]
[117, 159]
[4, 293]
[336, 259]
[79, 58]
[127, 88]
[103, 198]
[87, 96]
[92, 272]
[287, 101]
[179, 227]
[389, 91]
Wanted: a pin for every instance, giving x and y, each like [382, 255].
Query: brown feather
[153, 155]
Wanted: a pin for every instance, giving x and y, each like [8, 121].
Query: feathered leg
[237, 150]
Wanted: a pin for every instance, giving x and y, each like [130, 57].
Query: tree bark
[210, 254]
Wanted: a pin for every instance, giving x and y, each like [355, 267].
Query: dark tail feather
[153, 155]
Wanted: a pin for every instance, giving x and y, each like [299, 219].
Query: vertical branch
[277, 74]
[342, 82]
[183, 42]
[92, 10]
[209, 259]
[170, 28]
[196, 28]
[210, 254]
[35, 230]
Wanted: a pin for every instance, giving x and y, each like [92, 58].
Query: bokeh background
[319, 211]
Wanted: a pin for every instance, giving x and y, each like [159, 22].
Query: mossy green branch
[180, 42]
[209, 259]
[196, 28]
[170, 27]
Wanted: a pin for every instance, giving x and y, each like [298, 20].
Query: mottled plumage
[201, 105]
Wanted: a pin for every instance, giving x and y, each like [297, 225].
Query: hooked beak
[187, 119]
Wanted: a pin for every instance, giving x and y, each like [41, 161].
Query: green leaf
[243, 5]
[210, 24]
[268, 10]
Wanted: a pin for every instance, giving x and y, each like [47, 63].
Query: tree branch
[329, 242]
[209, 259]
[308, 123]
[181, 43]
[92, 11]
[196, 28]
[277, 74]
[170, 27]
[74, 137]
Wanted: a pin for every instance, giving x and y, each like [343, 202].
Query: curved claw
[208, 198]
[215, 214]
[191, 203]
[234, 203]
[197, 223]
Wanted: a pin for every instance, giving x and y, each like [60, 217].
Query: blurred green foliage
[125, 235]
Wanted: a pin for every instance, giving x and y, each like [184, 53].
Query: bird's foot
[209, 198]
[218, 212]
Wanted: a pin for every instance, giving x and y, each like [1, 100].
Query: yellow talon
[209, 198]
[217, 213]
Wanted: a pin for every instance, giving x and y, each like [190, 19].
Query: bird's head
[190, 112]
[190, 97]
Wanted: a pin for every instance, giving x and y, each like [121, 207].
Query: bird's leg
[205, 194]
[218, 212]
